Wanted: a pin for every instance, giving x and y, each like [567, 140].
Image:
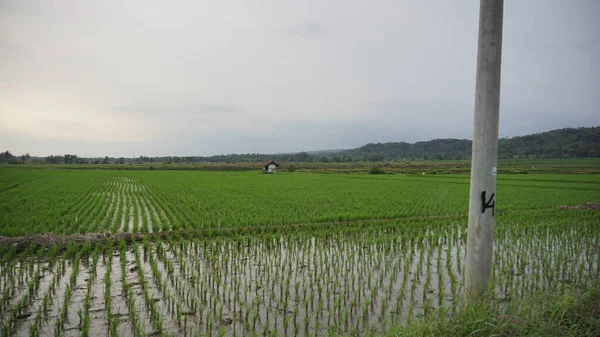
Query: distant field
[80, 201]
[289, 254]
[505, 166]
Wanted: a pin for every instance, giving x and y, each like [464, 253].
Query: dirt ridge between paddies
[47, 239]
[585, 205]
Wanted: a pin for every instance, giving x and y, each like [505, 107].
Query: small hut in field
[270, 166]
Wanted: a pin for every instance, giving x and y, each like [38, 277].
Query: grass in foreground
[548, 315]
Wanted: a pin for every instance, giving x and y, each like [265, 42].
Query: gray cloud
[306, 29]
[199, 78]
[177, 108]
[11, 47]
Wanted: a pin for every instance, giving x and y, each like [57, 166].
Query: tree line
[562, 143]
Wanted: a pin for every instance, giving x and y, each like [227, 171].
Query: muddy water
[292, 284]
[119, 311]
[78, 294]
[98, 322]
[27, 316]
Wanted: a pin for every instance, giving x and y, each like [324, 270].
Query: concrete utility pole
[480, 241]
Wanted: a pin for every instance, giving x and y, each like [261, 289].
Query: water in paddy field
[293, 284]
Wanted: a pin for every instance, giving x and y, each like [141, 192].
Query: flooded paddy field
[346, 279]
[156, 253]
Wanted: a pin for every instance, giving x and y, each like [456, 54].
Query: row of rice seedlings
[138, 328]
[153, 216]
[137, 186]
[62, 317]
[183, 301]
[86, 205]
[112, 322]
[195, 299]
[214, 213]
[334, 282]
[19, 273]
[130, 215]
[108, 214]
[117, 220]
[298, 285]
[112, 220]
[40, 283]
[52, 301]
[544, 258]
[62, 221]
[180, 216]
[137, 214]
[167, 215]
[223, 298]
[160, 213]
[91, 220]
[127, 184]
[101, 224]
[150, 302]
[176, 306]
[116, 217]
[43, 308]
[148, 225]
[198, 300]
[11, 278]
[289, 285]
[87, 209]
[235, 203]
[84, 313]
[28, 295]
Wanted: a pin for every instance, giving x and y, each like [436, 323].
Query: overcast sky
[131, 78]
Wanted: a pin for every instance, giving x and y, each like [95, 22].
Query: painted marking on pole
[494, 171]
[491, 203]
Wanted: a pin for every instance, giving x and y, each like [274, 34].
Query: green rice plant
[62, 317]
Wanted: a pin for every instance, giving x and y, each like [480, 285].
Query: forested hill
[563, 143]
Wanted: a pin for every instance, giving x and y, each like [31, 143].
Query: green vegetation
[295, 254]
[68, 201]
[573, 315]
[562, 143]
[376, 170]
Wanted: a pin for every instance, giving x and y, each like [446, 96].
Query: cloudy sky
[139, 77]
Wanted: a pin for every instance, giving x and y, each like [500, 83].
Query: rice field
[77, 201]
[245, 254]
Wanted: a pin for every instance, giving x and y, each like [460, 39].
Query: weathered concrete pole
[480, 241]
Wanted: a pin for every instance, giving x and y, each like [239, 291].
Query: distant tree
[376, 170]
[70, 159]
[302, 157]
[8, 158]
[52, 159]
[105, 160]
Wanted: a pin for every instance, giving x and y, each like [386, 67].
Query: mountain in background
[562, 143]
